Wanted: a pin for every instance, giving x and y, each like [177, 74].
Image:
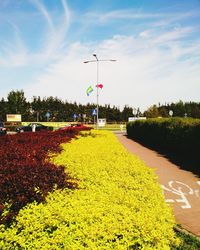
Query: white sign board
[131, 119]
[171, 112]
[102, 122]
[13, 118]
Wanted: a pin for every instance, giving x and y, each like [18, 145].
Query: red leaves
[25, 173]
[75, 127]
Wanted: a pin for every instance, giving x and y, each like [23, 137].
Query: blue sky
[156, 43]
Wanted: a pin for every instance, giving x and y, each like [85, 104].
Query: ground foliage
[188, 242]
[118, 204]
[25, 171]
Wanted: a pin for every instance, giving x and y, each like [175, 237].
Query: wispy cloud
[121, 14]
[160, 18]
[174, 35]
[160, 56]
[44, 13]
[54, 39]
[16, 54]
[175, 17]
[67, 13]
[141, 71]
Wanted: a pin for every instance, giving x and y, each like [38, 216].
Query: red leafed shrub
[25, 172]
[75, 127]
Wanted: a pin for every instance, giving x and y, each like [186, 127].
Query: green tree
[178, 109]
[17, 104]
[152, 112]
[127, 112]
[3, 109]
[163, 111]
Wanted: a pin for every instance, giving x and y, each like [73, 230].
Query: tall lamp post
[97, 62]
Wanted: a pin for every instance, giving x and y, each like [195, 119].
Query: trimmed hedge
[176, 135]
[118, 205]
[13, 127]
[25, 172]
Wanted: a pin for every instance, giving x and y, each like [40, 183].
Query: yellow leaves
[118, 203]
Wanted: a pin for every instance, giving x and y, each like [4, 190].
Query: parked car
[31, 128]
[2, 129]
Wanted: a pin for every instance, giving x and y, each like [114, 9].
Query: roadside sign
[94, 112]
[14, 118]
[47, 114]
[74, 116]
[102, 122]
[171, 113]
[131, 119]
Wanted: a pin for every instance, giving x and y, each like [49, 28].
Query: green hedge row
[176, 135]
[13, 127]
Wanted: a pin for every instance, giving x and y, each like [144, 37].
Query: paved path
[181, 188]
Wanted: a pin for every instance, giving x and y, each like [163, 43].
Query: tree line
[58, 110]
[54, 109]
[179, 109]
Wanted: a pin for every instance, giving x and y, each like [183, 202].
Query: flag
[89, 90]
[100, 86]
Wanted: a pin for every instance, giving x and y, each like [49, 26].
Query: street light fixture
[97, 62]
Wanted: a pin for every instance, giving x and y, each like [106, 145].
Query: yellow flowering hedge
[118, 205]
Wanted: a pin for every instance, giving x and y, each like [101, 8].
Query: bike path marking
[183, 191]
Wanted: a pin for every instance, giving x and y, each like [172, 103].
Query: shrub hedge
[118, 205]
[177, 135]
[25, 172]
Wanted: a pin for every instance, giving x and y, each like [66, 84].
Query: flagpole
[97, 62]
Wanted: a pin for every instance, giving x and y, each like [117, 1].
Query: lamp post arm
[107, 60]
[89, 61]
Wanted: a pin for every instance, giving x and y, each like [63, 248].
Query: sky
[156, 45]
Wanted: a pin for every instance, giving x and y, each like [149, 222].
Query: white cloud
[56, 37]
[44, 13]
[16, 54]
[175, 17]
[152, 66]
[145, 34]
[174, 35]
[140, 77]
[127, 14]
[156, 19]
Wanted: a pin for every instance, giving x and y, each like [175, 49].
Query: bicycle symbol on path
[183, 191]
